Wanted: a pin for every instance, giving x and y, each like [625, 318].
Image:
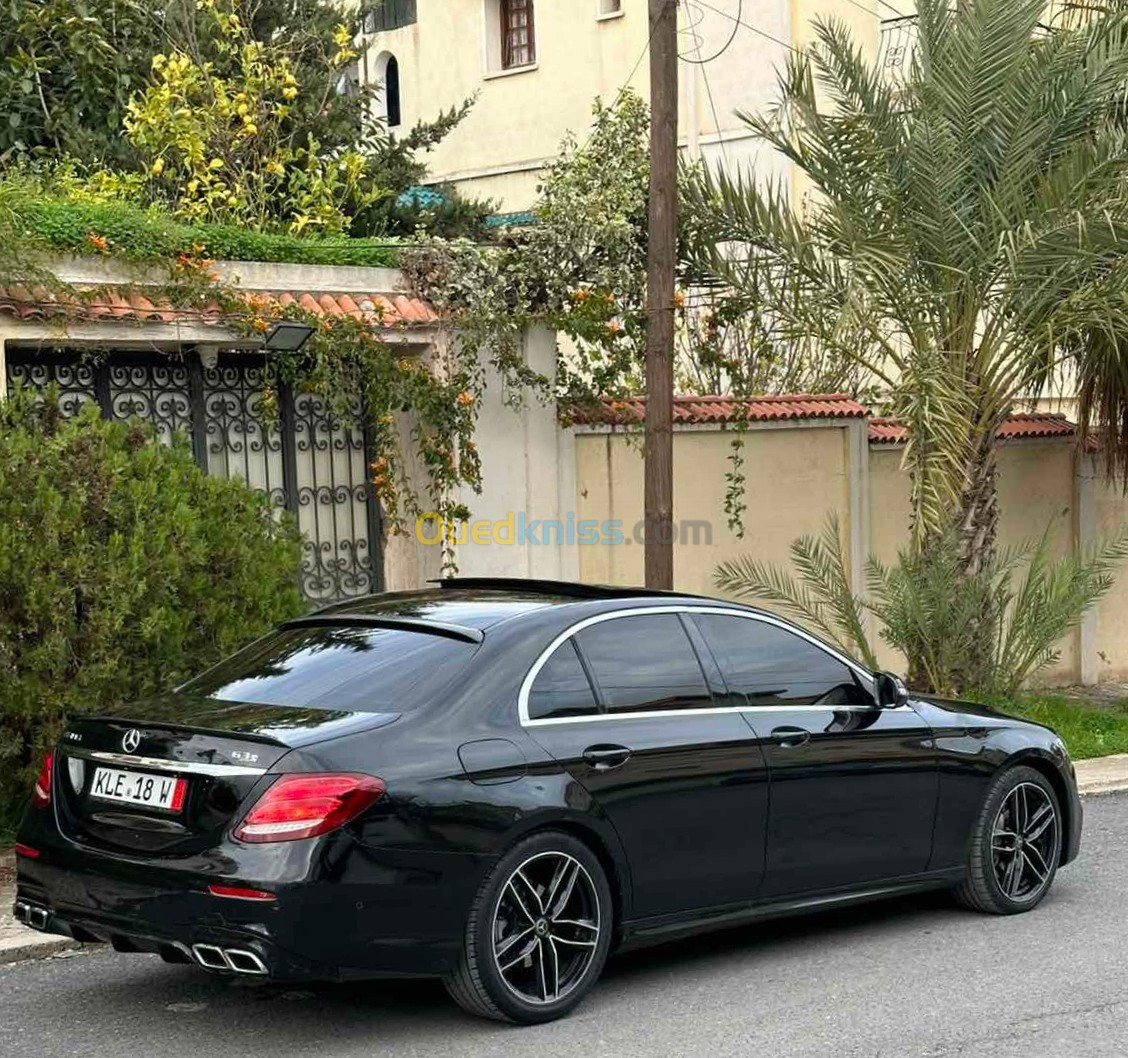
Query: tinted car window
[644, 663]
[561, 687]
[335, 667]
[774, 666]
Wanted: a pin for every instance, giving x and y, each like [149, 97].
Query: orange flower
[379, 465]
[614, 326]
[99, 242]
[679, 299]
[465, 399]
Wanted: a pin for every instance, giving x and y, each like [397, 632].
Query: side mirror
[891, 690]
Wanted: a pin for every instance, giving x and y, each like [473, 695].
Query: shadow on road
[134, 998]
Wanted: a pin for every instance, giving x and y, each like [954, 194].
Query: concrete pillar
[857, 484]
[1084, 536]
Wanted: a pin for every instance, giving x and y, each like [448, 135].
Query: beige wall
[520, 117]
[795, 476]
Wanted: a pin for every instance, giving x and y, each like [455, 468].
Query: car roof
[480, 602]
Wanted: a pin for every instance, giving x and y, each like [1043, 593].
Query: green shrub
[147, 234]
[123, 569]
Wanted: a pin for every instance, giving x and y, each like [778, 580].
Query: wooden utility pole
[661, 257]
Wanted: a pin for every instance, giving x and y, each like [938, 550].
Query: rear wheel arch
[618, 883]
[601, 845]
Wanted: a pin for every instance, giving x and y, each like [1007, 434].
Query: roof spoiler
[404, 624]
[521, 585]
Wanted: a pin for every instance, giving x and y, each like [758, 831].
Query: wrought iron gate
[304, 461]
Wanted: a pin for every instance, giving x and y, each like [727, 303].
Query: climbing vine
[409, 406]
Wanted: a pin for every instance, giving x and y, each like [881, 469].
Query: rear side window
[337, 667]
[561, 687]
[773, 666]
[644, 663]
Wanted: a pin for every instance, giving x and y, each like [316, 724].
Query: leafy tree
[67, 71]
[123, 569]
[225, 140]
[581, 268]
[72, 71]
[963, 242]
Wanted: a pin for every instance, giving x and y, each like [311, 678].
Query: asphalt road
[915, 977]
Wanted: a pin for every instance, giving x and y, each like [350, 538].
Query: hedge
[146, 235]
[123, 570]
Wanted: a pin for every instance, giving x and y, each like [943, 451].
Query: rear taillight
[41, 795]
[303, 806]
[237, 892]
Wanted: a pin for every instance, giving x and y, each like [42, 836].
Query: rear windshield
[371, 670]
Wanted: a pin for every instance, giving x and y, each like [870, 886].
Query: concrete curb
[18, 948]
[1102, 775]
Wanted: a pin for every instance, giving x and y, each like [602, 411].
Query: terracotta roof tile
[1024, 426]
[129, 303]
[692, 410]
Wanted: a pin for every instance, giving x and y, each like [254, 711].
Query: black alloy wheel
[1016, 845]
[538, 933]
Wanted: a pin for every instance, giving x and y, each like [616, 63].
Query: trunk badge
[131, 740]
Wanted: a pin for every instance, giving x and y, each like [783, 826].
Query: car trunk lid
[220, 752]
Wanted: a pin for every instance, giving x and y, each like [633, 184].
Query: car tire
[1015, 845]
[538, 932]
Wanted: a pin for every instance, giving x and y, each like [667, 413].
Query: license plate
[137, 788]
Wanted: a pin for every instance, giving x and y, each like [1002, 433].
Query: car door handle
[604, 758]
[790, 737]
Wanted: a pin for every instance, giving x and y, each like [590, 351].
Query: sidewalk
[1100, 775]
[17, 942]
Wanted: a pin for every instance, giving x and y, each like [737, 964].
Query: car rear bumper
[341, 911]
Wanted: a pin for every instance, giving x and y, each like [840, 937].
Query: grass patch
[1088, 730]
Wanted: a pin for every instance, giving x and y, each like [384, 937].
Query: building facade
[534, 67]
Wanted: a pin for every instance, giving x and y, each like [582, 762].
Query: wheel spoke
[1040, 822]
[520, 957]
[532, 890]
[548, 969]
[522, 906]
[999, 837]
[1041, 868]
[1013, 878]
[1020, 808]
[561, 891]
[507, 945]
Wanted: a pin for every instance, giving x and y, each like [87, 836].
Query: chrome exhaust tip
[20, 910]
[244, 962]
[210, 957]
[237, 960]
[36, 917]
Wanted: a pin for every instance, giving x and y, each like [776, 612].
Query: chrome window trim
[716, 611]
[159, 764]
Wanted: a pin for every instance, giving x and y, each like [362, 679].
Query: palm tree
[964, 239]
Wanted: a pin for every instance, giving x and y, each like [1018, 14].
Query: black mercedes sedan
[499, 782]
